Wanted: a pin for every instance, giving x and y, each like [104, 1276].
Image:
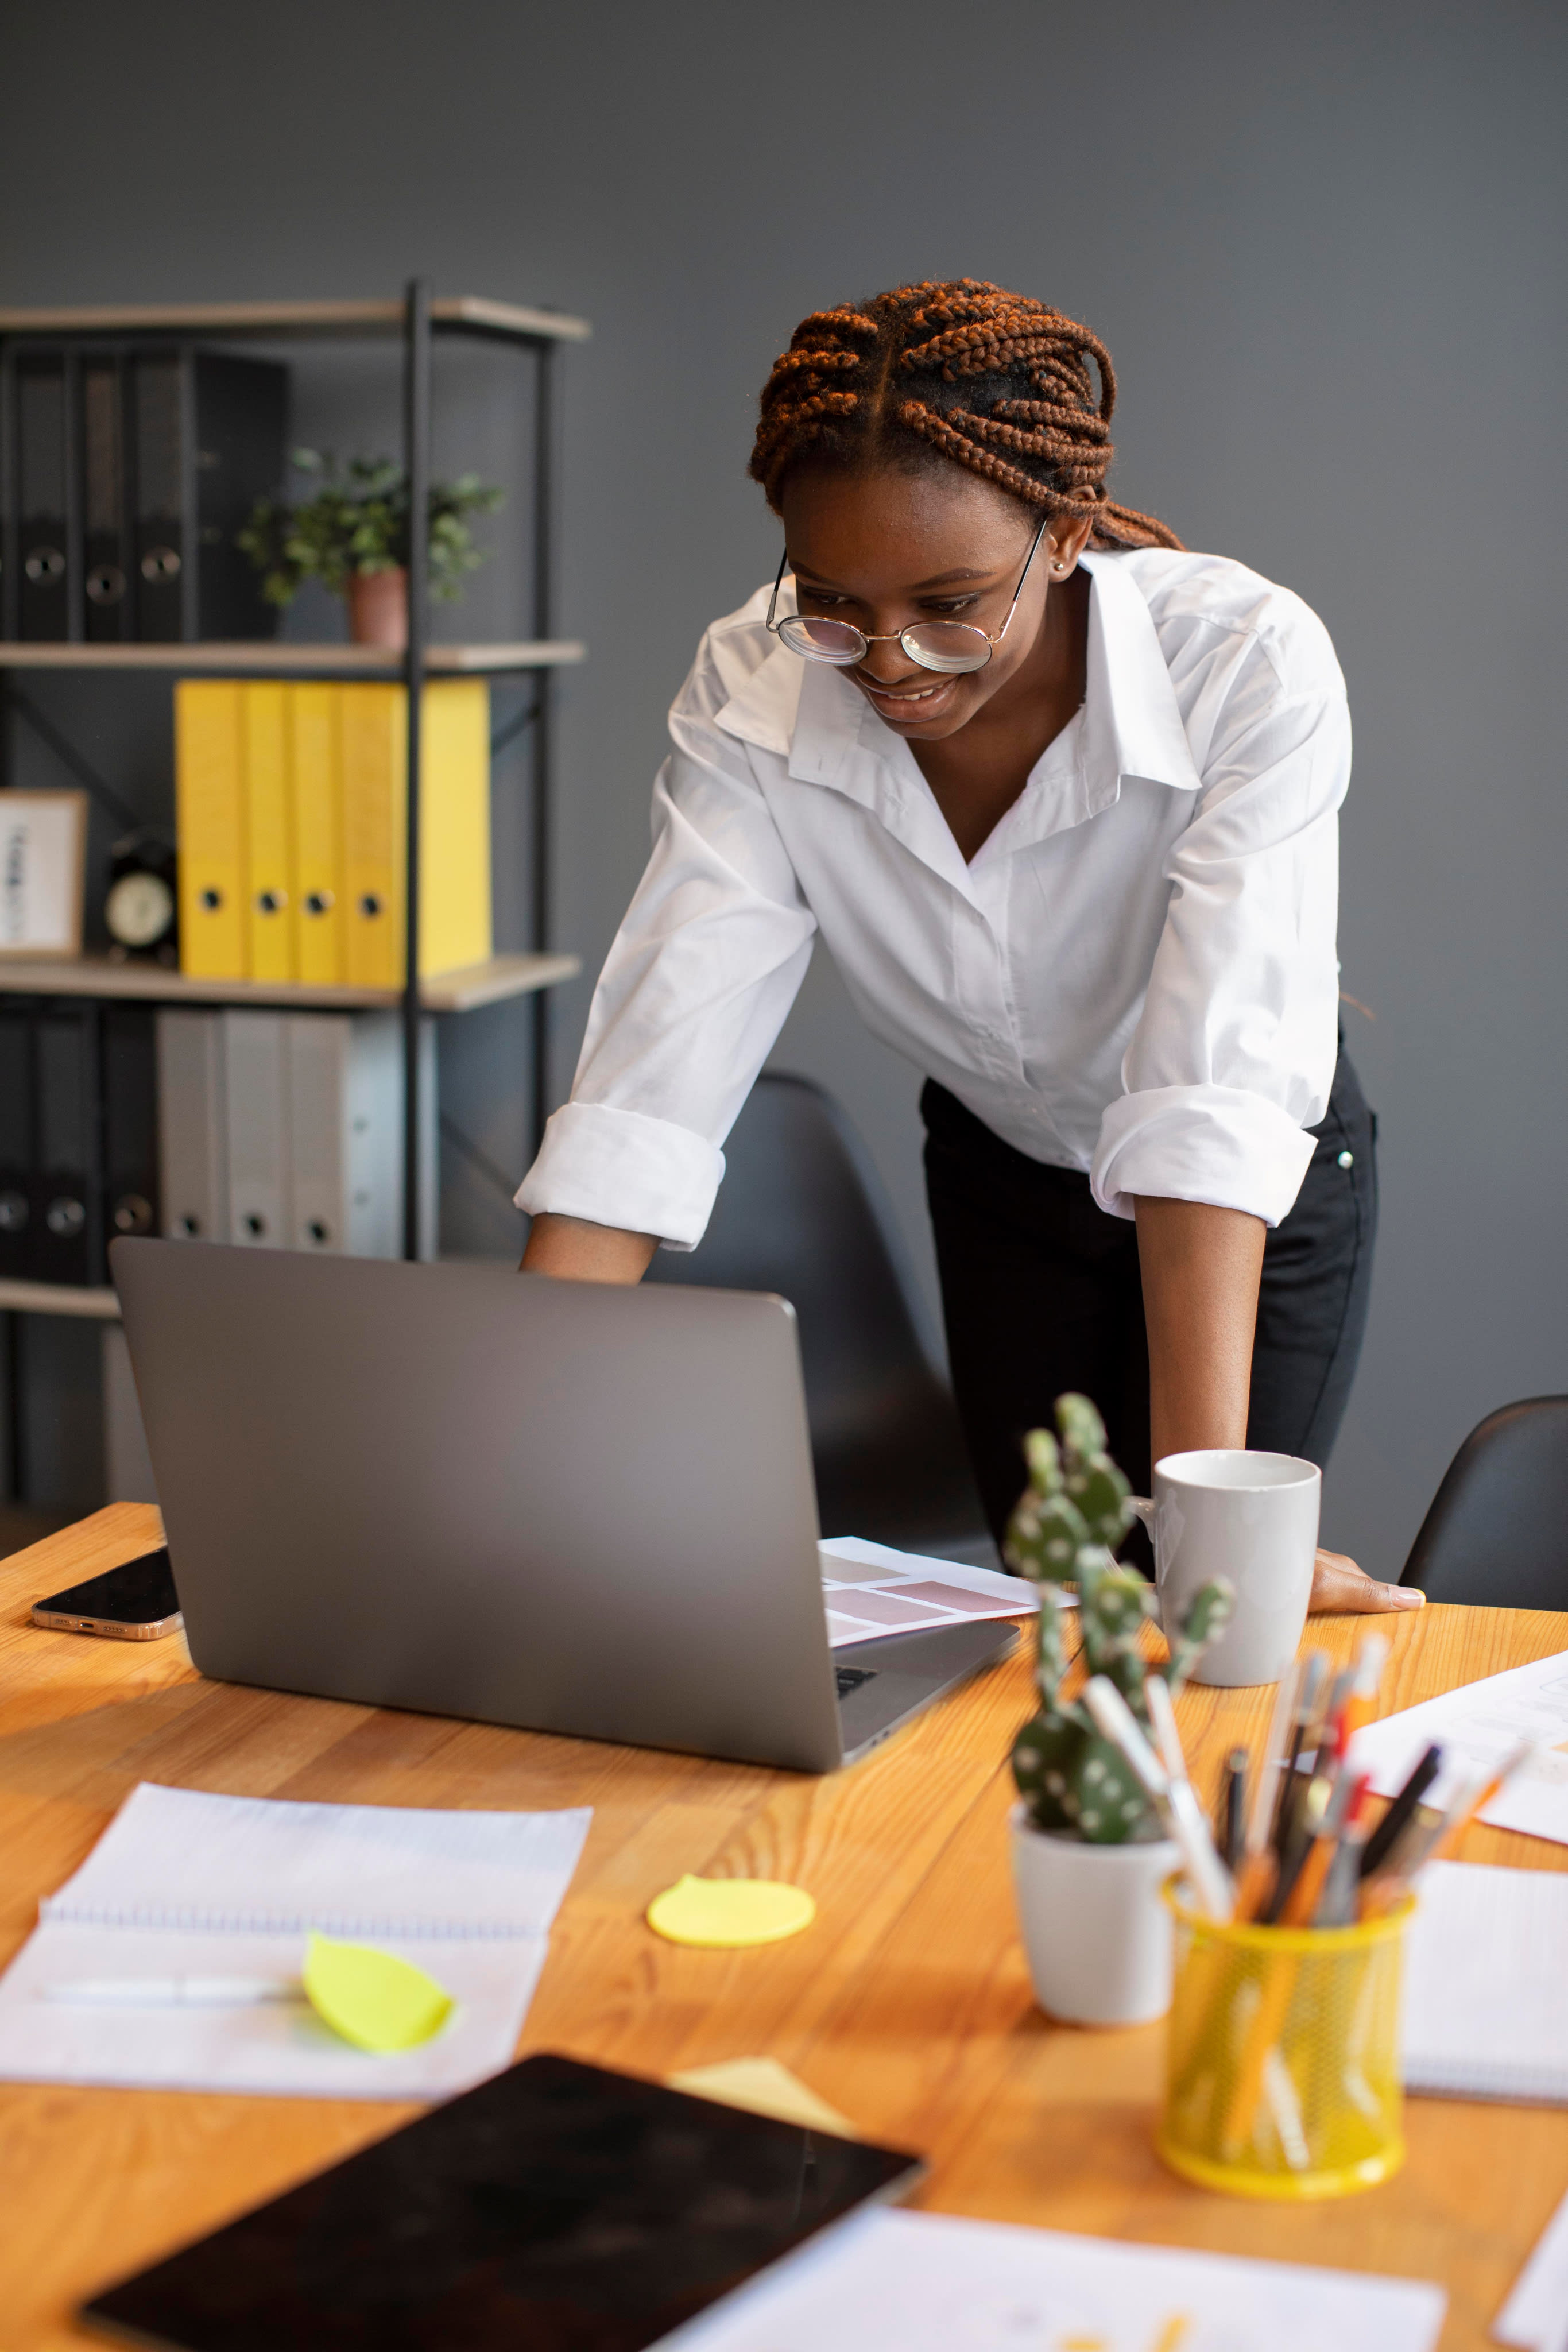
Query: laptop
[568, 1506]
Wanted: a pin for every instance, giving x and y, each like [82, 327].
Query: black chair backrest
[801, 1212]
[1496, 1533]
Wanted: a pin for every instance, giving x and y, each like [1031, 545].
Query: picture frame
[43, 873]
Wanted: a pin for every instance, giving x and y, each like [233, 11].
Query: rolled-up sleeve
[1233, 1054]
[694, 992]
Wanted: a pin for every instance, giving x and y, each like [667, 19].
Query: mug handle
[1142, 1508]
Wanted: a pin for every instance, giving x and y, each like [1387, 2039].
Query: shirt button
[1345, 1160]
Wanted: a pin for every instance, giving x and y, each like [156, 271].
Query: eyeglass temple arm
[779, 582]
[1023, 575]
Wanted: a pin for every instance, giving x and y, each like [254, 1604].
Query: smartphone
[136, 1602]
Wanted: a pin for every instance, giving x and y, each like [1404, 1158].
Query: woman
[1061, 800]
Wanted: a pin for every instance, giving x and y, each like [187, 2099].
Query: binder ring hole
[211, 900]
[105, 584]
[372, 905]
[256, 1226]
[64, 1216]
[133, 1214]
[191, 1228]
[318, 1232]
[45, 564]
[160, 563]
[319, 902]
[13, 1213]
[271, 902]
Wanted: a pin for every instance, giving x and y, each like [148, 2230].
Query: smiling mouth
[900, 703]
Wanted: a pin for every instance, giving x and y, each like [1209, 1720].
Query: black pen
[1292, 1787]
[1380, 1844]
[1232, 1822]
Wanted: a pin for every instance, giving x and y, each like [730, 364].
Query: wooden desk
[907, 2005]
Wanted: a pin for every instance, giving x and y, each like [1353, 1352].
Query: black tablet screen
[557, 2208]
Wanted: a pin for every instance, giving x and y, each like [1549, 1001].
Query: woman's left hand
[1340, 1589]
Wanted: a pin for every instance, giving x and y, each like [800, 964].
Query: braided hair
[960, 371]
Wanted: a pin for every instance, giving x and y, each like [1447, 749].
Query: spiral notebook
[1485, 2016]
[182, 1884]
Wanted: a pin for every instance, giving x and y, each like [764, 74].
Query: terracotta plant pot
[378, 608]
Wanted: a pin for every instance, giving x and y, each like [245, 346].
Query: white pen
[174, 1993]
[1211, 1882]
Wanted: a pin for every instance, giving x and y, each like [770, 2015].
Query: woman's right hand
[575, 1251]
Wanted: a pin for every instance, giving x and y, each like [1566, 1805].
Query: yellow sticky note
[370, 1998]
[763, 2087]
[727, 1912]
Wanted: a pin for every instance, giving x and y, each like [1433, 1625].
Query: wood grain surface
[907, 2005]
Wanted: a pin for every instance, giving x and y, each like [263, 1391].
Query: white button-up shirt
[1135, 975]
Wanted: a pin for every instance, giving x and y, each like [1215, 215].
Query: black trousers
[1041, 1293]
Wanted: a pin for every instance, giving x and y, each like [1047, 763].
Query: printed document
[1480, 1724]
[871, 1589]
[927, 2283]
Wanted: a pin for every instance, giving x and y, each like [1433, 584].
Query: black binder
[211, 435]
[44, 470]
[17, 1129]
[110, 609]
[67, 1189]
[130, 1120]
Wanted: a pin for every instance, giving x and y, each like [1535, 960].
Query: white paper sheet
[871, 1589]
[1483, 2011]
[182, 1884]
[927, 2283]
[1479, 1724]
[1535, 2316]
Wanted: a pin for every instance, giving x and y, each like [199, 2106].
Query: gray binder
[345, 1116]
[256, 1102]
[193, 1126]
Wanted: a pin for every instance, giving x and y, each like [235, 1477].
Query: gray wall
[1324, 245]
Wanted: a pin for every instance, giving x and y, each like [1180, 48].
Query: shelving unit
[416, 321]
[250, 659]
[463, 991]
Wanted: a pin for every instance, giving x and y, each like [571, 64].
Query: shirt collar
[810, 715]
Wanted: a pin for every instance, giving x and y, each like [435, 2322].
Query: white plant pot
[1097, 1936]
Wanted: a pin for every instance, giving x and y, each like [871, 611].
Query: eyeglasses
[950, 647]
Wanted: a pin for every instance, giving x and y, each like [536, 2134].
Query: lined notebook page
[1485, 2014]
[186, 1884]
[177, 1858]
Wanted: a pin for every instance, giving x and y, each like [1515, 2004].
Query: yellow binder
[209, 800]
[373, 753]
[455, 829]
[269, 900]
[316, 826]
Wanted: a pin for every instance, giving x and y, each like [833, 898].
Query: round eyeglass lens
[951, 647]
[830, 640]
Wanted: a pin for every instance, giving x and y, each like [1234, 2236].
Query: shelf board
[472, 314]
[463, 991]
[271, 658]
[59, 1299]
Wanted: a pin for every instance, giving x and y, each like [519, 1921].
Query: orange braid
[1028, 417]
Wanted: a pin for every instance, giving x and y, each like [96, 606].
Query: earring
[1059, 567]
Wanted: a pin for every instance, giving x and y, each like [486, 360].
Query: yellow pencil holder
[1282, 2057]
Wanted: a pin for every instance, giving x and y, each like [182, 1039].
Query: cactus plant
[1072, 1515]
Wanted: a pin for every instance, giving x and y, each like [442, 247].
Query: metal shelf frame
[417, 321]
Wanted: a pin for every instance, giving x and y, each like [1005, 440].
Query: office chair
[1496, 1533]
[801, 1212]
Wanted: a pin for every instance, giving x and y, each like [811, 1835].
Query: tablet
[557, 2208]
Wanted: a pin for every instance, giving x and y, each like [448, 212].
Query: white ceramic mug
[1253, 1519]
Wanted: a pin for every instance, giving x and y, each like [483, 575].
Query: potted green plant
[1089, 1855]
[352, 536]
